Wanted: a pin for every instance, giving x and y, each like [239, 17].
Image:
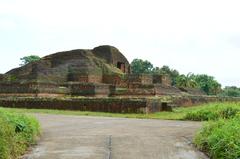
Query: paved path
[79, 137]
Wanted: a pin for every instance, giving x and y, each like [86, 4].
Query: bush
[213, 112]
[201, 115]
[220, 139]
[17, 132]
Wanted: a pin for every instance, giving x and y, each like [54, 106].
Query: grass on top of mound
[17, 133]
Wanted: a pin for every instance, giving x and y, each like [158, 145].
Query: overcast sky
[199, 36]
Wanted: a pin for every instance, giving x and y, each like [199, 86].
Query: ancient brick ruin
[93, 80]
[100, 72]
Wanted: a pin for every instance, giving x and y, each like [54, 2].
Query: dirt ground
[81, 137]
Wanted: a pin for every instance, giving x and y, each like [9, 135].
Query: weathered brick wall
[166, 80]
[145, 89]
[35, 88]
[140, 79]
[112, 56]
[134, 90]
[166, 90]
[83, 89]
[89, 89]
[102, 90]
[85, 78]
[1, 77]
[112, 79]
[77, 77]
[17, 88]
[95, 78]
[162, 79]
[114, 105]
[140, 86]
[193, 91]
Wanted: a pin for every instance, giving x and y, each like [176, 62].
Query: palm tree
[186, 81]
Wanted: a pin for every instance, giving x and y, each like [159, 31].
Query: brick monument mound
[91, 80]
[101, 72]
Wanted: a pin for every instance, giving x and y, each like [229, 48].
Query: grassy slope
[17, 132]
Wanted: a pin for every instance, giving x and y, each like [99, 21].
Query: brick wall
[89, 89]
[114, 105]
[140, 79]
[162, 79]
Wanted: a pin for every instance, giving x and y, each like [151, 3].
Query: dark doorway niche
[121, 66]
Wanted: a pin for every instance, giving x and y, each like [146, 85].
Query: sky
[198, 36]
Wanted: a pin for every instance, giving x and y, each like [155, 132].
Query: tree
[186, 81]
[28, 59]
[139, 66]
[208, 84]
[232, 91]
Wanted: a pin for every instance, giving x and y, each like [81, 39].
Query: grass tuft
[17, 133]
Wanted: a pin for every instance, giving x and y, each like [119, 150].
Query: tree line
[201, 81]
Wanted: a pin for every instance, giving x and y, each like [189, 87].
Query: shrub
[213, 112]
[228, 112]
[201, 115]
[17, 132]
[220, 139]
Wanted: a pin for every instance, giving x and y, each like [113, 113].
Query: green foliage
[28, 59]
[17, 132]
[139, 66]
[231, 92]
[220, 139]
[201, 115]
[212, 114]
[186, 81]
[6, 138]
[208, 84]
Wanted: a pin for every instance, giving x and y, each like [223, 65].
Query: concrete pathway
[80, 137]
